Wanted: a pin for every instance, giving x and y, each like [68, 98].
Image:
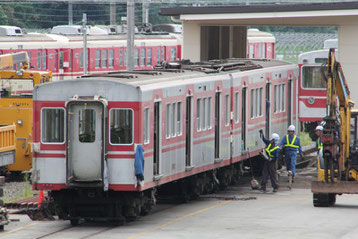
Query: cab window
[312, 77]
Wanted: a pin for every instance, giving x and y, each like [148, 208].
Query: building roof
[270, 7]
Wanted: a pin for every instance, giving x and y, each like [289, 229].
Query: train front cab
[312, 89]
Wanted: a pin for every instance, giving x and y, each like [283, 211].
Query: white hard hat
[291, 128]
[319, 127]
[275, 137]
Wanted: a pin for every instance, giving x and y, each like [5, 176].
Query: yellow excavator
[338, 159]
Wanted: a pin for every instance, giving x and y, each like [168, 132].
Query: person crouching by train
[291, 144]
[272, 151]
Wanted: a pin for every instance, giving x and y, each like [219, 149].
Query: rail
[7, 138]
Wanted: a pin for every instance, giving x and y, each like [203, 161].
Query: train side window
[236, 107]
[162, 57]
[61, 59]
[227, 110]
[172, 54]
[179, 117]
[173, 119]
[98, 59]
[110, 58]
[104, 59]
[198, 111]
[87, 125]
[149, 57]
[251, 51]
[208, 121]
[121, 126]
[44, 60]
[56, 60]
[158, 56]
[53, 125]
[142, 57]
[252, 108]
[121, 57]
[29, 56]
[39, 58]
[203, 114]
[168, 121]
[146, 126]
[125, 57]
[283, 97]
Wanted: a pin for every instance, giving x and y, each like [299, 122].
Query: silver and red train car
[312, 86]
[61, 51]
[195, 124]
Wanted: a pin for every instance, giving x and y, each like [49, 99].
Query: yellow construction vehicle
[338, 161]
[16, 86]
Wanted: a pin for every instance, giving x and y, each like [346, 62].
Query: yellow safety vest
[319, 143]
[269, 151]
[288, 144]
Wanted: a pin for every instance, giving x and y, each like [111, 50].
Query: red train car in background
[61, 51]
[312, 86]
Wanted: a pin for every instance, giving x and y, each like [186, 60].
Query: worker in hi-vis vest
[291, 144]
[272, 151]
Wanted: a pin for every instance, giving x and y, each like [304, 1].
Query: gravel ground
[17, 190]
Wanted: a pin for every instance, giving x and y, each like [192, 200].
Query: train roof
[126, 85]
[187, 70]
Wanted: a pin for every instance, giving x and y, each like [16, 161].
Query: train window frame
[179, 116]
[39, 60]
[236, 106]
[142, 57]
[167, 121]
[110, 58]
[44, 65]
[97, 61]
[209, 121]
[149, 56]
[136, 57]
[64, 125]
[172, 54]
[279, 98]
[146, 125]
[198, 114]
[104, 58]
[227, 110]
[302, 78]
[109, 128]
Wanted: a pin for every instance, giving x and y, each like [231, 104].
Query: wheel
[321, 200]
[74, 222]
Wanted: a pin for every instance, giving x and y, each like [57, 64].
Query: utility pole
[84, 31]
[130, 35]
[112, 13]
[70, 13]
[145, 6]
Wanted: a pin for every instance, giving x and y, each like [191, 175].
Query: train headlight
[19, 122]
[311, 100]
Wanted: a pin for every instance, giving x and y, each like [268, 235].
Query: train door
[188, 128]
[85, 142]
[156, 140]
[243, 119]
[217, 124]
[267, 109]
[289, 102]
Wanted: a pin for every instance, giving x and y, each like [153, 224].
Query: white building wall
[191, 41]
[348, 57]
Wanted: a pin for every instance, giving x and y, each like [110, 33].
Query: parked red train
[105, 144]
[61, 52]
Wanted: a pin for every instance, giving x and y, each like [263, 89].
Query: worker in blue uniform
[272, 152]
[291, 144]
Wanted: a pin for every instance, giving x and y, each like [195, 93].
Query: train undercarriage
[120, 206]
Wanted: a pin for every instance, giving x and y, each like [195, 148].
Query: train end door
[85, 151]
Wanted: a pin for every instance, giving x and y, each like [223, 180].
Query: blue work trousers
[290, 158]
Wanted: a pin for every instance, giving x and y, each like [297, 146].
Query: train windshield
[312, 77]
[16, 87]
